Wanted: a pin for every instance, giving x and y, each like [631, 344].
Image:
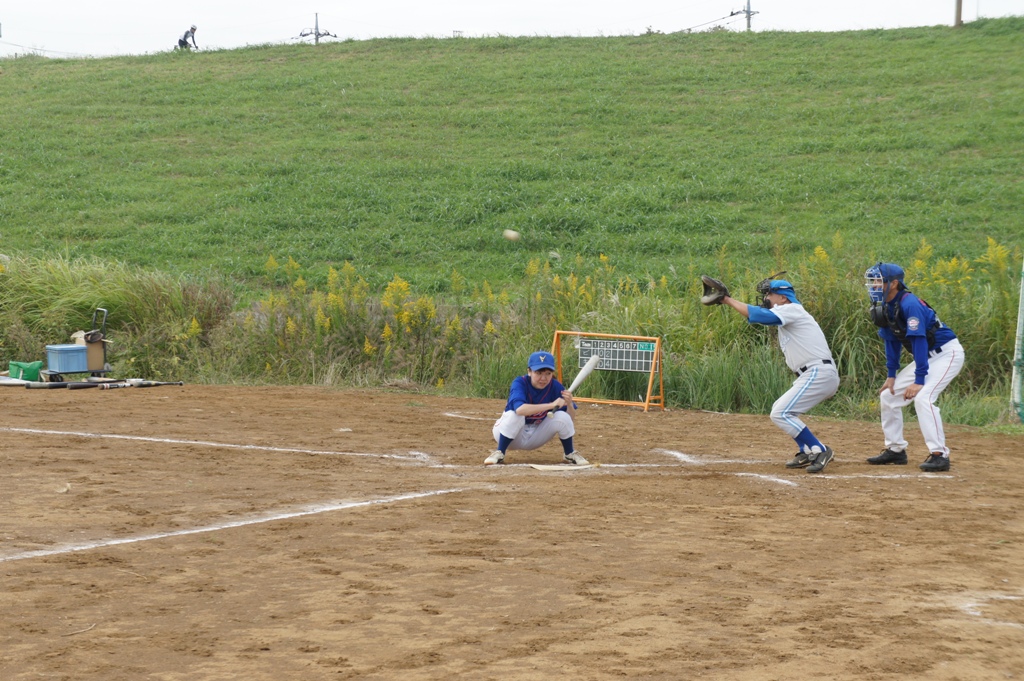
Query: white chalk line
[698, 461]
[974, 608]
[882, 476]
[457, 415]
[203, 443]
[769, 478]
[423, 457]
[266, 518]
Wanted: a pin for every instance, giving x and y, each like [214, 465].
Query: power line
[39, 49]
[687, 30]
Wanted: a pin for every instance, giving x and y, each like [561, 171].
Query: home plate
[560, 467]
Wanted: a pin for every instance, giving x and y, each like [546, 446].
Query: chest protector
[897, 322]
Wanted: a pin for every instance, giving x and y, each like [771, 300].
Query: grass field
[333, 214]
[397, 155]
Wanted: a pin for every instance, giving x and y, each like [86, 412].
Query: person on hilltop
[905, 322]
[189, 34]
[538, 408]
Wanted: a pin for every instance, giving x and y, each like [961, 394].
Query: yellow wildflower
[395, 294]
[322, 320]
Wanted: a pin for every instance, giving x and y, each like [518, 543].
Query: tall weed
[474, 339]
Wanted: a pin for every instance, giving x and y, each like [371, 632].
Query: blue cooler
[66, 359]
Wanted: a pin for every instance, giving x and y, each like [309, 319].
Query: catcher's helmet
[779, 286]
[880, 274]
[783, 288]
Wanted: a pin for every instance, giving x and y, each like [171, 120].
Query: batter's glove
[714, 291]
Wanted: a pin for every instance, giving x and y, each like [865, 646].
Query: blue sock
[503, 442]
[805, 438]
[567, 446]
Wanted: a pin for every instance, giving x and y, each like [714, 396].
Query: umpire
[905, 322]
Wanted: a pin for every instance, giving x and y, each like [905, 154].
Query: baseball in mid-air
[511, 234]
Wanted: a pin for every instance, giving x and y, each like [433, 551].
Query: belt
[935, 351]
[814, 363]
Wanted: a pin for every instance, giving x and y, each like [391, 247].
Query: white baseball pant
[943, 367]
[534, 435]
[812, 387]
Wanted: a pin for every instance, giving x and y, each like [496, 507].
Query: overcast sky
[70, 28]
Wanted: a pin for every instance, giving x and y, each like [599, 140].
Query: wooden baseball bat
[585, 371]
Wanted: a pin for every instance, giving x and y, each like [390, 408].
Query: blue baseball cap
[541, 360]
[890, 272]
[783, 288]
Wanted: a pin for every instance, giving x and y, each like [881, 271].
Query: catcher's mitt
[714, 291]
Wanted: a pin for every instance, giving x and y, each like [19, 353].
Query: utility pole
[316, 32]
[958, 21]
[744, 11]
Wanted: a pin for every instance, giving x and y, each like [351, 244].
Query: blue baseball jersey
[522, 392]
[918, 318]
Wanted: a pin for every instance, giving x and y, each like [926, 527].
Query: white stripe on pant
[812, 387]
[942, 368]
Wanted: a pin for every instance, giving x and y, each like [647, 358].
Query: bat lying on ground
[129, 383]
[106, 385]
[46, 385]
[585, 371]
[136, 383]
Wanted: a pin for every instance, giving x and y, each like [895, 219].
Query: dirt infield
[273, 533]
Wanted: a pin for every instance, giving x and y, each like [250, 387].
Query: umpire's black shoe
[935, 463]
[889, 456]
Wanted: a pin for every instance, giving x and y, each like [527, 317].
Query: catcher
[807, 355]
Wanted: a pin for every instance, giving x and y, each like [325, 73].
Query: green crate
[26, 371]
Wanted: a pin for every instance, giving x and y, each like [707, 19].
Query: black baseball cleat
[801, 460]
[935, 463]
[821, 460]
[889, 456]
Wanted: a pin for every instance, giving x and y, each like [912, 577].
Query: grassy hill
[411, 156]
[333, 214]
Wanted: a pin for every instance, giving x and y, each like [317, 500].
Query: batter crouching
[807, 355]
[538, 408]
[907, 322]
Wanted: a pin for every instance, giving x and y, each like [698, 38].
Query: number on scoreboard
[619, 355]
